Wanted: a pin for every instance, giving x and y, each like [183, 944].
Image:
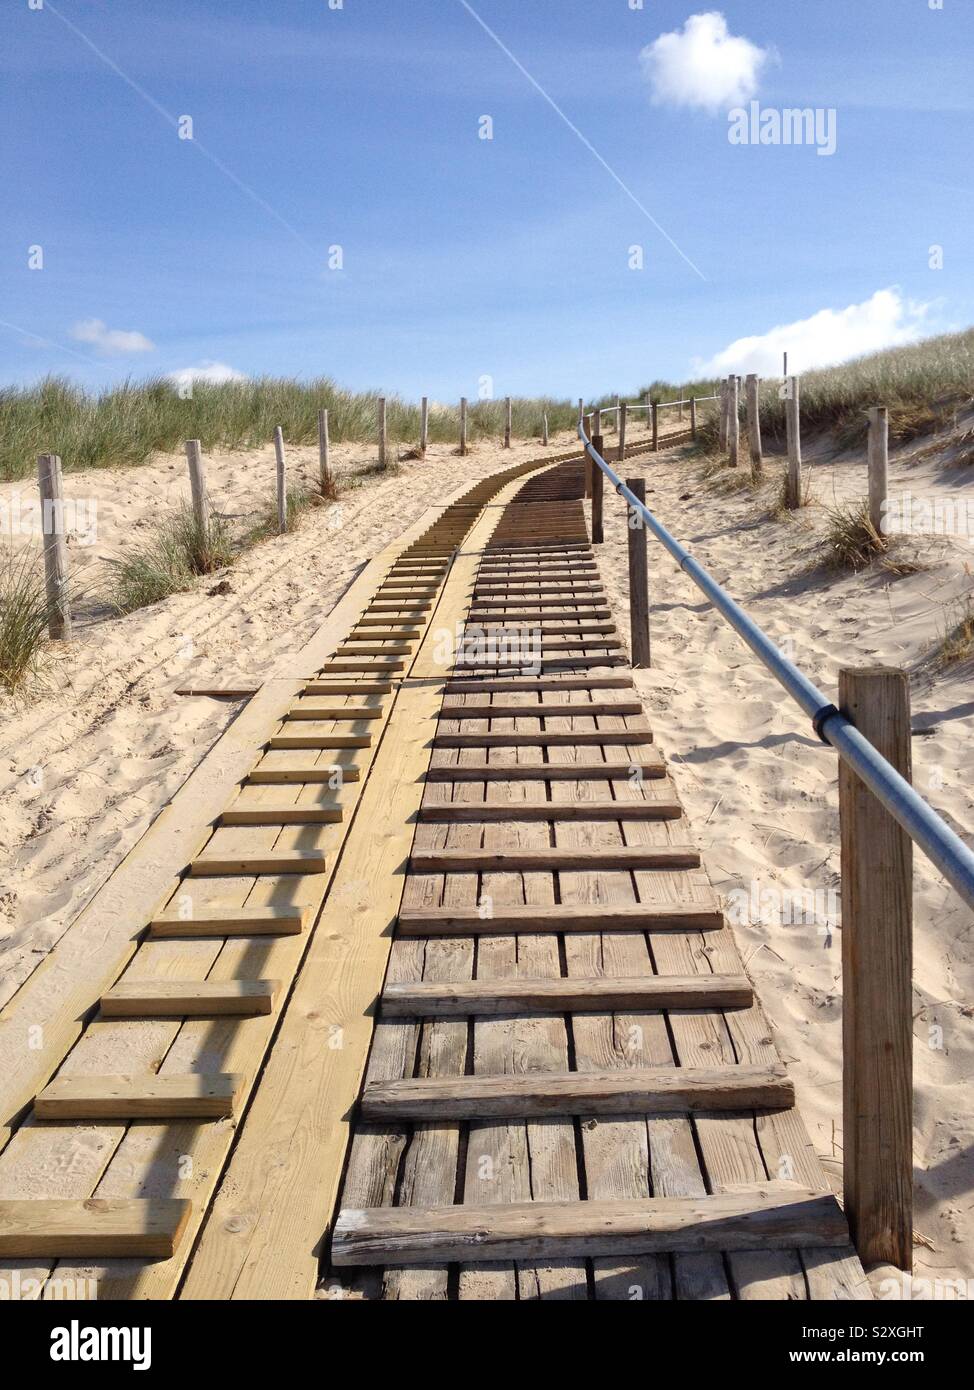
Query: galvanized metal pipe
[942, 846]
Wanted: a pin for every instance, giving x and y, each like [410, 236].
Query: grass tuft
[852, 541]
[25, 613]
[958, 641]
[168, 562]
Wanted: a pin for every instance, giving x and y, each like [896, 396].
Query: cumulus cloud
[832, 335]
[113, 342]
[703, 65]
[213, 373]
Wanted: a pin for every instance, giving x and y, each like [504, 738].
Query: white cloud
[703, 65]
[213, 373]
[111, 341]
[830, 336]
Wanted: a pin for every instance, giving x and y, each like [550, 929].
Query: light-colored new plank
[285, 861]
[190, 999]
[231, 921]
[97, 1228]
[194, 1096]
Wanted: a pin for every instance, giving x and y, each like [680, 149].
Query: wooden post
[281, 481]
[754, 423]
[733, 421]
[508, 421]
[793, 491]
[623, 421]
[383, 433]
[50, 482]
[618, 413]
[878, 465]
[649, 412]
[655, 428]
[588, 462]
[598, 477]
[424, 425]
[581, 410]
[722, 414]
[693, 417]
[197, 483]
[638, 581]
[324, 445]
[544, 430]
[591, 469]
[877, 968]
[463, 426]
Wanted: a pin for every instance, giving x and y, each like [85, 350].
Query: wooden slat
[549, 772]
[231, 921]
[310, 814]
[285, 861]
[320, 741]
[308, 709]
[327, 772]
[512, 685]
[340, 687]
[503, 921]
[578, 738]
[190, 999]
[453, 811]
[97, 1228]
[775, 1218]
[643, 1091]
[517, 861]
[475, 997]
[151, 1097]
[548, 710]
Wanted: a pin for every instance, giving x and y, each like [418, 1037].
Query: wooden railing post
[793, 498]
[733, 421]
[877, 969]
[545, 437]
[723, 393]
[281, 481]
[878, 465]
[383, 440]
[693, 417]
[590, 467]
[598, 477]
[324, 449]
[508, 421]
[424, 425]
[754, 423]
[197, 484]
[655, 427]
[638, 580]
[463, 426]
[50, 482]
[623, 421]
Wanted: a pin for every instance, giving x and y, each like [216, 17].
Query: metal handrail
[942, 846]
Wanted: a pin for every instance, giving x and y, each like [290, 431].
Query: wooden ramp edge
[192, 984]
[515, 1112]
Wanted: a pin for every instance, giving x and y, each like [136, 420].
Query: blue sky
[467, 258]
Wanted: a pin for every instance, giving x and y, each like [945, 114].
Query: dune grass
[25, 613]
[168, 562]
[852, 542]
[958, 640]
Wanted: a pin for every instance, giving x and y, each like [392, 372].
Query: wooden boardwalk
[494, 916]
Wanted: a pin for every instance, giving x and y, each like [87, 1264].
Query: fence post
[655, 427]
[693, 417]
[754, 423]
[463, 426]
[587, 462]
[197, 483]
[618, 410]
[424, 425]
[544, 430]
[623, 421]
[590, 468]
[508, 421]
[649, 412]
[324, 445]
[878, 465]
[598, 533]
[581, 411]
[638, 580]
[383, 441]
[733, 421]
[51, 485]
[281, 481]
[877, 961]
[722, 410]
[793, 497]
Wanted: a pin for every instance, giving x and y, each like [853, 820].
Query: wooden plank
[320, 741]
[287, 861]
[548, 710]
[640, 1091]
[511, 685]
[335, 774]
[446, 812]
[519, 861]
[455, 921]
[524, 995]
[151, 1097]
[309, 709]
[189, 999]
[564, 738]
[231, 921]
[777, 1217]
[94, 1229]
[550, 772]
[310, 814]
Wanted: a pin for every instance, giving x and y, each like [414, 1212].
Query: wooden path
[458, 873]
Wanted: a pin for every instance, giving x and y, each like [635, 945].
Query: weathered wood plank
[460, 1000]
[453, 921]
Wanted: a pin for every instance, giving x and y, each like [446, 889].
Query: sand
[88, 763]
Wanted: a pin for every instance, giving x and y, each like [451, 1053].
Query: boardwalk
[452, 943]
